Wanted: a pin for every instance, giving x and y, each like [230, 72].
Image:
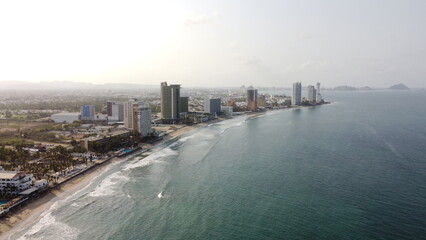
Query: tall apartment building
[115, 111]
[296, 98]
[252, 99]
[212, 105]
[130, 116]
[318, 98]
[87, 112]
[170, 103]
[143, 115]
[312, 94]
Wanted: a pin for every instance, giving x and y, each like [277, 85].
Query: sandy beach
[31, 212]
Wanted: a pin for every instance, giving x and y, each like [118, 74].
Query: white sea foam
[108, 186]
[226, 126]
[75, 205]
[150, 159]
[49, 228]
[184, 139]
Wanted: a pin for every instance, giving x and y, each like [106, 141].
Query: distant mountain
[366, 88]
[23, 85]
[344, 88]
[126, 86]
[399, 86]
[69, 85]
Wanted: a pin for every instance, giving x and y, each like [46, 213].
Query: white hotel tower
[318, 98]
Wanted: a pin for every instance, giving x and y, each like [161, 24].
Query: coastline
[32, 211]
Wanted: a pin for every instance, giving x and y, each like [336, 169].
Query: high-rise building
[318, 98]
[115, 111]
[87, 112]
[143, 115]
[296, 98]
[311, 96]
[243, 89]
[130, 117]
[170, 103]
[252, 99]
[184, 104]
[212, 105]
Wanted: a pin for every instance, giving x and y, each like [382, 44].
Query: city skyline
[215, 44]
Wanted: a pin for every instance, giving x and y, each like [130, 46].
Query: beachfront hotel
[14, 182]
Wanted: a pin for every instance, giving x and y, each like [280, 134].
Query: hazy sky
[215, 43]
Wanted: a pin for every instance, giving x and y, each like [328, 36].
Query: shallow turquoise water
[354, 169]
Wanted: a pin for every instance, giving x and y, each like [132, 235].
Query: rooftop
[10, 174]
[67, 113]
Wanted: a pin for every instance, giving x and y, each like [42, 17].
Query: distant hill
[399, 86]
[344, 88]
[64, 85]
[366, 88]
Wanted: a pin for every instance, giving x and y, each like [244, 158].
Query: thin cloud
[252, 62]
[201, 19]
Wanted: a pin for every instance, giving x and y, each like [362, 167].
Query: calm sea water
[355, 169]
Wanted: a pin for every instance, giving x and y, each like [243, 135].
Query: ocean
[353, 169]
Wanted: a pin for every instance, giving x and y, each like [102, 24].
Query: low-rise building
[67, 117]
[212, 105]
[40, 184]
[227, 110]
[14, 182]
[93, 142]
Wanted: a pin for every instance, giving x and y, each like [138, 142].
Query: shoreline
[25, 215]
[33, 210]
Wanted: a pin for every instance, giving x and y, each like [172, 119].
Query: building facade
[252, 99]
[296, 98]
[144, 126]
[184, 104]
[87, 112]
[212, 105]
[318, 97]
[115, 111]
[130, 114]
[312, 94]
[91, 143]
[170, 103]
[14, 182]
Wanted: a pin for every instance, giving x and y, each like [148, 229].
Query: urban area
[49, 137]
